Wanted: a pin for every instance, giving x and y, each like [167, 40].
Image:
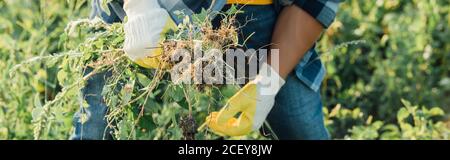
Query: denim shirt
[310, 70]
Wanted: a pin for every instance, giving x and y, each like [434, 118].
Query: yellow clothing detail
[250, 2]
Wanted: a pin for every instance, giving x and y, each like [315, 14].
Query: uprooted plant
[142, 103]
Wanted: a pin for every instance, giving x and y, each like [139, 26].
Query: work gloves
[251, 105]
[145, 31]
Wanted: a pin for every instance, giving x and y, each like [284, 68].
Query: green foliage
[32, 29]
[404, 55]
[413, 123]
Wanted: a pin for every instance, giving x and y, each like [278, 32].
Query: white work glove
[145, 30]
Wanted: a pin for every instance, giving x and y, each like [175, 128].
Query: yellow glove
[254, 102]
[145, 30]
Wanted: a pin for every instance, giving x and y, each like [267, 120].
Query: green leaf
[356, 113]
[229, 90]
[143, 80]
[406, 103]
[436, 111]
[100, 43]
[201, 17]
[175, 93]
[37, 113]
[378, 124]
[127, 92]
[61, 76]
[233, 10]
[402, 114]
[37, 101]
[51, 62]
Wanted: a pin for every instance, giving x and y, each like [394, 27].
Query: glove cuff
[142, 35]
[136, 7]
[269, 80]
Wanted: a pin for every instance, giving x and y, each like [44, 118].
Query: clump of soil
[221, 38]
[189, 127]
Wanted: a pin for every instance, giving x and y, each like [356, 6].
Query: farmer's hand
[145, 30]
[254, 102]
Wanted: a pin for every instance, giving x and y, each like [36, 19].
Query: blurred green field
[388, 71]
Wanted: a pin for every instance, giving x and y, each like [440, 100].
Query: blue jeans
[297, 113]
[95, 123]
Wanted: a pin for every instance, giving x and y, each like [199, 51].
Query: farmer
[293, 108]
